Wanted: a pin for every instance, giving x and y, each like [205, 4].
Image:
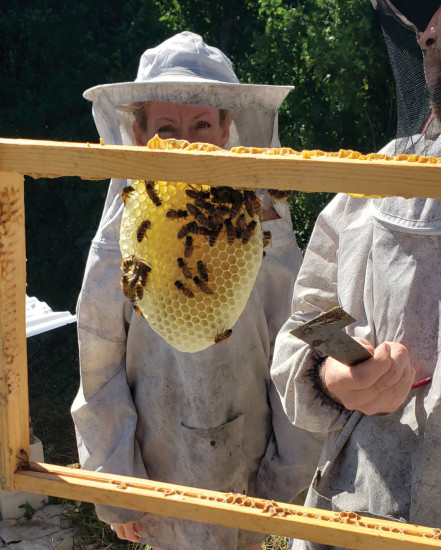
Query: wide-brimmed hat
[185, 70]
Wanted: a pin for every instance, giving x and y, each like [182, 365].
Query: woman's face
[194, 124]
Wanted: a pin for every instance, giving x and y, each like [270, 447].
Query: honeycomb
[191, 255]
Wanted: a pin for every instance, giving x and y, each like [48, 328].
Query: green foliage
[331, 51]
[29, 510]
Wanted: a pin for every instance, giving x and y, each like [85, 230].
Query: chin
[435, 98]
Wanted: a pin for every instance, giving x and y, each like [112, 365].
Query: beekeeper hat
[400, 20]
[185, 70]
[414, 14]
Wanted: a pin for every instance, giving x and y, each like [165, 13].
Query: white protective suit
[380, 260]
[211, 419]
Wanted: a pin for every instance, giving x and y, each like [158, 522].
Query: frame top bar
[52, 159]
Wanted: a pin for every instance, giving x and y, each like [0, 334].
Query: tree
[331, 51]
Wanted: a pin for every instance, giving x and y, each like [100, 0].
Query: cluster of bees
[208, 212]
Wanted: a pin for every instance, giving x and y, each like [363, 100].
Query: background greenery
[331, 51]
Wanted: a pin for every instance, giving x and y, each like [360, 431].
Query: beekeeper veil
[403, 22]
[184, 70]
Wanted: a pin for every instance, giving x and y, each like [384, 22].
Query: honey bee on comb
[201, 284]
[188, 273]
[278, 194]
[191, 227]
[150, 188]
[142, 229]
[185, 290]
[173, 214]
[223, 336]
[202, 270]
[189, 247]
[230, 230]
[201, 195]
[126, 192]
[248, 231]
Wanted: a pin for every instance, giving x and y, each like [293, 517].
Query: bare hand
[377, 385]
[128, 531]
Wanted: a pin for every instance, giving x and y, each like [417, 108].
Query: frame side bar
[14, 403]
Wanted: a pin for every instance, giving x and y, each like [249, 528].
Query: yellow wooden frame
[92, 161]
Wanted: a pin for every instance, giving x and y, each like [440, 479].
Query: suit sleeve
[104, 414]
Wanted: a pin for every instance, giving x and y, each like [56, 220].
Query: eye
[202, 124]
[166, 129]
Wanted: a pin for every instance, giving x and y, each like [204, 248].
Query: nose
[431, 35]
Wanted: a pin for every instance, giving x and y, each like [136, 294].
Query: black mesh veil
[401, 20]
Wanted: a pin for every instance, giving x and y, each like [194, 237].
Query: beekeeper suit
[379, 259]
[210, 419]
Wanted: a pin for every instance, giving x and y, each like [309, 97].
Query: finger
[365, 343]
[131, 532]
[373, 402]
[126, 531]
[399, 363]
[367, 373]
[138, 529]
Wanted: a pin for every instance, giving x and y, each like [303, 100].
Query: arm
[295, 365]
[103, 411]
[331, 275]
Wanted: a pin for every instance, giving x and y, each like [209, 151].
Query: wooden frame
[90, 161]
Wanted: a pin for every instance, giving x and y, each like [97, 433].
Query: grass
[53, 383]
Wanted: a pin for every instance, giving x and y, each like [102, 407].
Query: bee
[142, 229]
[205, 288]
[139, 289]
[241, 224]
[127, 289]
[189, 247]
[217, 217]
[185, 269]
[194, 210]
[144, 270]
[266, 238]
[176, 214]
[202, 270]
[224, 194]
[150, 188]
[137, 310]
[231, 231]
[248, 232]
[125, 193]
[278, 194]
[253, 204]
[126, 264]
[204, 205]
[186, 291]
[222, 336]
[191, 227]
[203, 230]
[193, 194]
[213, 235]
[24, 459]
